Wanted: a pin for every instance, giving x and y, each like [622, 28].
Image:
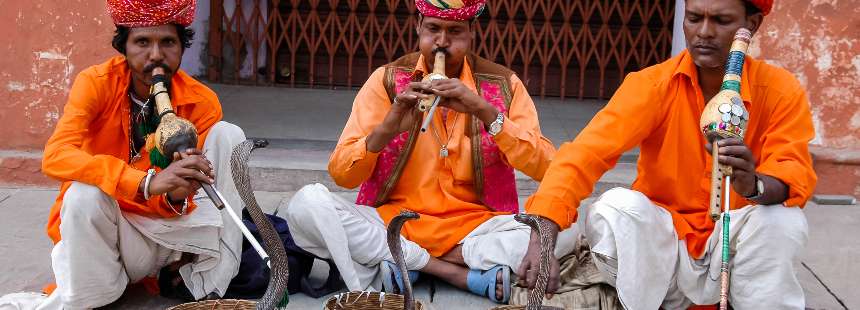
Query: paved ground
[303, 125]
[827, 270]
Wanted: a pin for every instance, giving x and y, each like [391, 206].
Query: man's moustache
[441, 49]
[705, 45]
[148, 68]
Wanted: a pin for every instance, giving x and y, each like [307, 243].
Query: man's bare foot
[457, 275]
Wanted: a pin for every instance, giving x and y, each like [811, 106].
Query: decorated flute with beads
[174, 134]
[725, 117]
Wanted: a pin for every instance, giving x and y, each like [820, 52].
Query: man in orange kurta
[461, 227]
[118, 217]
[656, 242]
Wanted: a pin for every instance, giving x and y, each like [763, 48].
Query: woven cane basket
[218, 304]
[367, 301]
[512, 307]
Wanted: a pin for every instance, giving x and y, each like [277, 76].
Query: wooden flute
[429, 105]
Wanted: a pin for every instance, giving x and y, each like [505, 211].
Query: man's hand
[402, 116]
[182, 177]
[734, 153]
[530, 266]
[404, 109]
[460, 98]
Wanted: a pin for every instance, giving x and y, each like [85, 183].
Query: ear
[418, 24]
[754, 22]
[472, 24]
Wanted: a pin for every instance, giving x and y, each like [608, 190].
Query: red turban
[763, 5]
[148, 13]
[451, 9]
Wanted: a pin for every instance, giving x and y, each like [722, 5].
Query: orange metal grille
[557, 47]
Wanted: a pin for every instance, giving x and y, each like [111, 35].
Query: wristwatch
[496, 126]
[759, 189]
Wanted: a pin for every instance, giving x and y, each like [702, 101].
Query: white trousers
[103, 248]
[354, 237]
[636, 247]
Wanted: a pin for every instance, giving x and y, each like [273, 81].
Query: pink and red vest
[494, 177]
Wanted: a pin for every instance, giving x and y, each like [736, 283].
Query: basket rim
[365, 295]
[212, 302]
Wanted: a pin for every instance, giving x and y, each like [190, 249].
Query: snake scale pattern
[271, 240]
[536, 295]
[397, 253]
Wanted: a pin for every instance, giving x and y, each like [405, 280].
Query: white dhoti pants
[354, 237]
[636, 247]
[104, 248]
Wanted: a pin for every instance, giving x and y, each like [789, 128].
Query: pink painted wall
[45, 44]
[819, 41]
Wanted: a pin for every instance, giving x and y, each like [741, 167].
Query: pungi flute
[176, 134]
[726, 117]
[431, 103]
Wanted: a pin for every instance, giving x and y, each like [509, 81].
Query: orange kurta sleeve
[351, 163]
[629, 117]
[90, 142]
[64, 151]
[521, 140]
[64, 159]
[785, 148]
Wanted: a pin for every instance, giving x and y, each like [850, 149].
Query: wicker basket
[367, 301]
[217, 304]
[513, 307]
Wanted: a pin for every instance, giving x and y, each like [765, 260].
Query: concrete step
[287, 165]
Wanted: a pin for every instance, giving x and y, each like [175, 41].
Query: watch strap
[758, 192]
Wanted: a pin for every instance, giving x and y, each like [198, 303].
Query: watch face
[495, 128]
[760, 186]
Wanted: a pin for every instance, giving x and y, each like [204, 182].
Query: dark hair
[751, 8]
[186, 35]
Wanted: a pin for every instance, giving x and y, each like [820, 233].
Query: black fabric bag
[253, 276]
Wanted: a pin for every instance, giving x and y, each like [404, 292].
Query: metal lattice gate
[558, 47]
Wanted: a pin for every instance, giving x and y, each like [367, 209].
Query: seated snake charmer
[656, 242]
[458, 175]
[119, 217]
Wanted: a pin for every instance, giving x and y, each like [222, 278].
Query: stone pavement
[828, 269]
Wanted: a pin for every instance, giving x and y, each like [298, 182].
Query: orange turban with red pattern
[763, 5]
[451, 9]
[148, 13]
